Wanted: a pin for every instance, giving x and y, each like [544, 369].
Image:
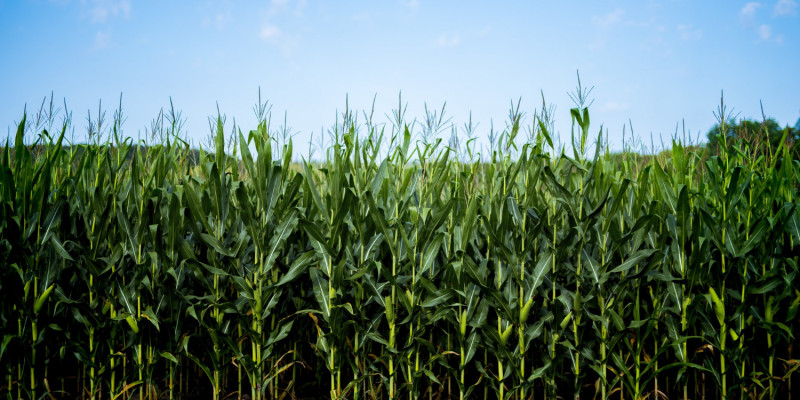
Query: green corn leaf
[151, 316]
[472, 298]
[59, 248]
[42, 299]
[542, 267]
[593, 267]
[312, 188]
[634, 260]
[169, 356]
[297, 268]
[430, 255]
[280, 334]
[282, 232]
[435, 299]
[719, 307]
[320, 285]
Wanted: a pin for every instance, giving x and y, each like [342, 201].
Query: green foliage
[414, 275]
[762, 136]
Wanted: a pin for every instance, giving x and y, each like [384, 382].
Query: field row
[416, 275]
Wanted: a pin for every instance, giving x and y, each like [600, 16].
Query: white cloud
[275, 36]
[270, 32]
[102, 40]
[749, 9]
[448, 41]
[280, 6]
[361, 17]
[764, 32]
[412, 4]
[614, 106]
[786, 7]
[100, 10]
[223, 19]
[597, 44]
[281, 13]
[689, 32]
[608, 20]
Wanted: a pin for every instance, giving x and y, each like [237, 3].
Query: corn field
[411, 272]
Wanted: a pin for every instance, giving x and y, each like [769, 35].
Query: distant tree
[756, 134]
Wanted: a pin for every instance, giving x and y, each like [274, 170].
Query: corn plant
[415, 269]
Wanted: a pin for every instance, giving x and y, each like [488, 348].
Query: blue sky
[655, 63]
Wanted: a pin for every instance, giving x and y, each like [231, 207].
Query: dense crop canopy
[419, 274]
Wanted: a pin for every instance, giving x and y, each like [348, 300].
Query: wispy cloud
[445, 40]
[218, 15]
[270, 33]
[412, 4]
[296, 7]
[275, 36]
[361, 17]
[102, 40]
[786, 7]
[608, 20]
[689, 32]
[764, 32]
[759, 25]
[749, 10]
[222, 19]
[279, 15]
[597, 44]
[101, 10]
[604, 22]
[614, 106]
